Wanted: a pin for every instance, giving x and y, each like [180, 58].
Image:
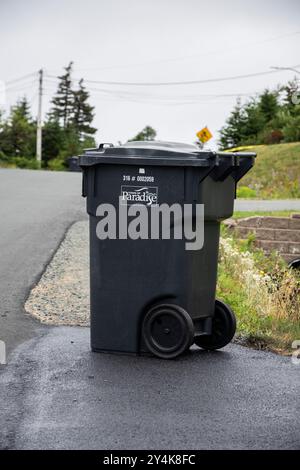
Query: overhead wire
[8, 82]
[20, 87]
[186, 82]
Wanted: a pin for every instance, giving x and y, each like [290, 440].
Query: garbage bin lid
[163, 145]
[149, 152]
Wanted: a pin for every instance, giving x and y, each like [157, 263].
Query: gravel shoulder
[61, 297]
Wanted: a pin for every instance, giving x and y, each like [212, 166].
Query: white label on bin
[138, 179]
[143, 195]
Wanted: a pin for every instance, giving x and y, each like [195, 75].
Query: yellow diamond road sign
[204, 135]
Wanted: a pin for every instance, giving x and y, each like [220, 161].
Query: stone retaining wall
[271, 233]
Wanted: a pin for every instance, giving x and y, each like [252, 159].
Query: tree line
[67, 128]
[268, 118]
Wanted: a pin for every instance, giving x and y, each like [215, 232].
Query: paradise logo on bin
[139, 195]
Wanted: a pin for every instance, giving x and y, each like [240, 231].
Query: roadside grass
[19, 162]
[276, 173]
[4, 164]
[30, 164]
[263, 292]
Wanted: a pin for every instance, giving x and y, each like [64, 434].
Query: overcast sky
[150, 41]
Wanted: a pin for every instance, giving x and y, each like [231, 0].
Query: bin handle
[104, 145]
[245, 161]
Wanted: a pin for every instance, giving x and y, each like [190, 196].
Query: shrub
[263, 292]
[273, 137]
[23, 162]
[3, 157]
[245, 192]
[291, 130]
[56, 164]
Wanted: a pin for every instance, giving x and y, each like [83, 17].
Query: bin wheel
[295, 264]
[223, 328]
[167, 330]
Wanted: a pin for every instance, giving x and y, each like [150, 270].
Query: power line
[179, 83]
[146, 98]
[20, 78]
[123, 94]
[20, 87]
[129, 96]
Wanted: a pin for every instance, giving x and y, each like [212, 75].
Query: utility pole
[39, 121]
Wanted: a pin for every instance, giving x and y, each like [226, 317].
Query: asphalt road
[69, 398]
[272, 205]
[55, 393]
[36, 208]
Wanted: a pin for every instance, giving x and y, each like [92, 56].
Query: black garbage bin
[73, 164]
[154, 295]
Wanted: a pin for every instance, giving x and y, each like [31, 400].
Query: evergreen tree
[2, 126]
[18, 132]
[82, 112]
[268, 104]
[22, 109]
[63, 100]
[291, 128]
[254, 122]
[291, 94]
[231, 135]
[148, 133]
[53, 140]
[68, 129]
